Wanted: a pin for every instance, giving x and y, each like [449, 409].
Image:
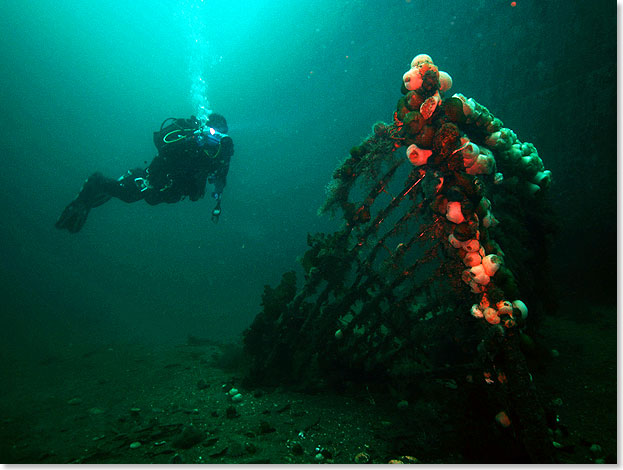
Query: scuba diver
[190, 154]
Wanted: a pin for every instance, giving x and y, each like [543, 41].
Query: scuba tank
[178, 135]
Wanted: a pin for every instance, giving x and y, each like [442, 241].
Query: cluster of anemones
[521, 157]
[504, 311]
[444, 145]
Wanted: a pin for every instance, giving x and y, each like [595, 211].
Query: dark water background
[84, 85]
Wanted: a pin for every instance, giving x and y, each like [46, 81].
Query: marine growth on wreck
[441, 255]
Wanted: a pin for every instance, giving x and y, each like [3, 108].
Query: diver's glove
[216, 212]
[74, 216]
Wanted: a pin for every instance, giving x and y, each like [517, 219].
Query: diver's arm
[219, 179]
[220, 176]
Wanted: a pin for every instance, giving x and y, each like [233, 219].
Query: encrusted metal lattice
[422, 279]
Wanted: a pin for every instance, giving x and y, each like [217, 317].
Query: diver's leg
[137, 184]
[92, 194]
[168, 195]
[131, 187]
[97, 190]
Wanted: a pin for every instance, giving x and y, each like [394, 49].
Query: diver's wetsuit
[183, 166]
